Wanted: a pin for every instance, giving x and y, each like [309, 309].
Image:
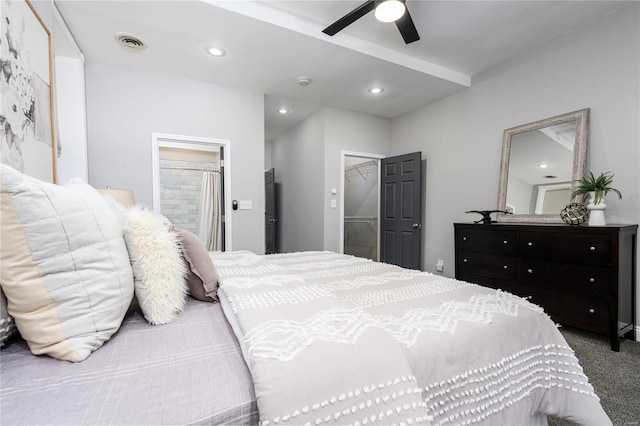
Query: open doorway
[360, 205]
[190, 181]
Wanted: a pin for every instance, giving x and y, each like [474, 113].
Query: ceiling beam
[261, 11]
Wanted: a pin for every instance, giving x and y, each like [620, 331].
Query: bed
[501, 363]
[302, 338]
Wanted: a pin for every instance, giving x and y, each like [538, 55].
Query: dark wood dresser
[583, 276]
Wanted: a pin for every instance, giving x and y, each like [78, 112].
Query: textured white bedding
[337, 339]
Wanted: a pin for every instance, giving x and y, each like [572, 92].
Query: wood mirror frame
[581, 118]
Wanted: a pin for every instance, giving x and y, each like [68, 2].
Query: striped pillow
[65, 266]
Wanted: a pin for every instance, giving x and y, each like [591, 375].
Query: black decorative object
[574, 214]
[486, 215]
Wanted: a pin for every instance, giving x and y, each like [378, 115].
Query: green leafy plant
[600, 185]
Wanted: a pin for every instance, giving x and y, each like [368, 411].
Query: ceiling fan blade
[407, 28]
[350, 17]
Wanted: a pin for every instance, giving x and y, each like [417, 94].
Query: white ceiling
[271, 44]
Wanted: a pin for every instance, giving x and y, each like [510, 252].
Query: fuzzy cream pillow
[158, 268]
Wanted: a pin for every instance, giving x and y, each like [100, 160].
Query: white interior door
[186, 144]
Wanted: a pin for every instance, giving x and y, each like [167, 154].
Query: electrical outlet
[245, 205]
[440, 265]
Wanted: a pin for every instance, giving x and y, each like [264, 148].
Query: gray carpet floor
[615, 376]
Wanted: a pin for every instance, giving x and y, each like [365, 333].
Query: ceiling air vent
[130, 41]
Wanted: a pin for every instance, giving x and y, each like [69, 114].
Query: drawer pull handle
[464, 238]
[464, 260]
[592, 311]
[529, 243]
[592, 248]
[506, 242]
[530, 271]
[592, 280]
[506, 267]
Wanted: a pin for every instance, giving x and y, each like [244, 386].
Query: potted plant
[596, 188]
[600, 186]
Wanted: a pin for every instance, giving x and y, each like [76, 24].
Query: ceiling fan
[396, 10]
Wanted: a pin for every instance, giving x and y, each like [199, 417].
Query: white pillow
[65, 267]
[158, 268]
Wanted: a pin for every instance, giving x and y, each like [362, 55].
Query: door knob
[416, 226]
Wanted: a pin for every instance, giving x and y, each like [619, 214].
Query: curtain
[209, 218]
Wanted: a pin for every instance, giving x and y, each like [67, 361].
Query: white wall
[307, 161]
[70, 106]
[71, 113]
[268, 146]
[347, 131]
[597, 67]
[297, 157]
[125, 107]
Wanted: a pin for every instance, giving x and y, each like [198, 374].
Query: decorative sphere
[574, 214]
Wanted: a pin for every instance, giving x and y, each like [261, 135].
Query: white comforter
[332, 338]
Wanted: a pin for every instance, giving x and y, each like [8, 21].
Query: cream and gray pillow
[65, 267]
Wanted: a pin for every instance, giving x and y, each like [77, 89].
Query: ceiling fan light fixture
[390, 10]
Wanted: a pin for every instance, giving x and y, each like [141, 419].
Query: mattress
[190, 371]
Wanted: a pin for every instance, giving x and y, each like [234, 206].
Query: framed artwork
[26, 108]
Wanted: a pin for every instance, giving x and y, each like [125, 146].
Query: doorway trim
[343, 155]
[166, 140]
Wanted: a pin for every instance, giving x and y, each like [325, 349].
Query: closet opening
[361, 205]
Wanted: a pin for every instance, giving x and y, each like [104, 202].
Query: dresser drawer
[591, 313]
[488, 264]
[565, 277]
[488, 240]
[582, 276]
[498, 284]
[583, 248]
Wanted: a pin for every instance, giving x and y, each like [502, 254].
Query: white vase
[596, 211]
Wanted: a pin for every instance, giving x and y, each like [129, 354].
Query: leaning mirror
[540, 161]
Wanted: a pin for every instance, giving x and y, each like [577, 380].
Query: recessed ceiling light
[543, 166]
[284, 111]
[216, 51]
[376, 90]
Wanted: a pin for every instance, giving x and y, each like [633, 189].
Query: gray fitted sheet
[190, 371]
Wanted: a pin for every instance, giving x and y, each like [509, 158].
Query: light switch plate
[334, 204]
[245, 205]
